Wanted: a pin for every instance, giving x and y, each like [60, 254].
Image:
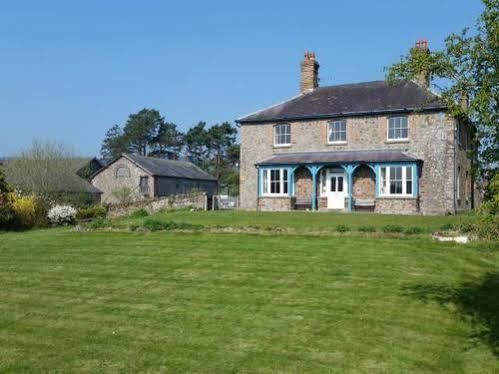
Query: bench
[364, 203]
[303, 204]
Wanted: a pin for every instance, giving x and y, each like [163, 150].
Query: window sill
[282, 145]
[390, 141]
[399, 197]
[275, 196]
[342, 142]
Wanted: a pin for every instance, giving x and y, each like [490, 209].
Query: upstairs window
[282, 134]
[397, 128]
[395, 181]
[275, 182]
[337, 132]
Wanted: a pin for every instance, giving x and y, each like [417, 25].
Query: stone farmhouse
[388, 148]
[151, 177]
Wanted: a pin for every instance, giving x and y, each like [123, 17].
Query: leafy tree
[465, 73]
[196, 143]
[114, 144]
[168, 141]
[141, 128]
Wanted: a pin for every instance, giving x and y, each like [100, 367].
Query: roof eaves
[241, 119]
[345, 114]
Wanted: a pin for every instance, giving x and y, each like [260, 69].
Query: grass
[215, 303]
[300, 220]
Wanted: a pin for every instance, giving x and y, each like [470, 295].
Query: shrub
[139, 213]
[124, 195]
[392, 228]
[342, 228]
[367, 229]
[96, 211]
[447, 227]
[62, 215]
[7, 216]
[24, 208]
[98, 223]
[157, 225]
[414, 230]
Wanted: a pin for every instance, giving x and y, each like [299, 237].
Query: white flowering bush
[62, 215]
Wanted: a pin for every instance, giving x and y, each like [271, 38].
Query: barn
[139, 177]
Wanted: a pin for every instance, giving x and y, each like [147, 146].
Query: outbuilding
[139, 177]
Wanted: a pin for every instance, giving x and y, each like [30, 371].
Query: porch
[382, 181]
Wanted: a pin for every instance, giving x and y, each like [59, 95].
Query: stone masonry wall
[303, 184]
[364, 185]
[431, 138]
[196, 201]
[396, 206]
[107, 181]
[281, 203]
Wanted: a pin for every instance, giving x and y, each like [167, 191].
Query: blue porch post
[349, 169]
[313, 170]
[291, 173]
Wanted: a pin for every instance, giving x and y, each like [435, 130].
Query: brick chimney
[309, 79]
[422, 77]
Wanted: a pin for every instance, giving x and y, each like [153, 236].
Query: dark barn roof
[170, 168]
[338, 157]
[350, 99]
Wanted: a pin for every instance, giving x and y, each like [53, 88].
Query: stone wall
[364, 185]
[196, 201]
[396, 205]
[303, 184]
[276, 203]
[431, 138]
[107, 181]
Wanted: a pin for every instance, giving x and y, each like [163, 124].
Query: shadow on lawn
[477, 300]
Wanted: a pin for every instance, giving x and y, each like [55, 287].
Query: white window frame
[279, 125]
[330, 130]
[266, 182]
[388, 129]
[384, 183]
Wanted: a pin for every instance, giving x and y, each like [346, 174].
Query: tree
[141, 128]
[168, 141]
[465, 73]
[196, 143]
[220, 137]
[44, 169]
[114, 144]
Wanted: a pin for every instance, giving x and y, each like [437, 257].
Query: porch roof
[339, 157]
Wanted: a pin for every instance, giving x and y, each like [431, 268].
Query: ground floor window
[396, 181]
[275, 182]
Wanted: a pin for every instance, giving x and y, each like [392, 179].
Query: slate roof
[350, 99]
[170, 168]
[392, 155]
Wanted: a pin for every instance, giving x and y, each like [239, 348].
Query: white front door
[336, 190]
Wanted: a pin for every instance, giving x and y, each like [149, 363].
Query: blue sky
[69, 70]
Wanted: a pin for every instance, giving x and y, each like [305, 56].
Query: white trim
[281, 182]
[396, 140]
[329, 131]
[274, 134]
[386, 183]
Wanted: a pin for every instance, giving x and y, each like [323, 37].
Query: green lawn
[217, 302]
[302, 220]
